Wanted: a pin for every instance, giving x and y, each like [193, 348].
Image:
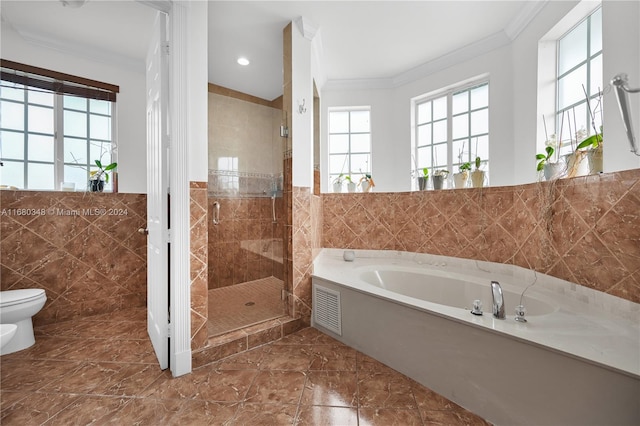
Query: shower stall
[245, 213]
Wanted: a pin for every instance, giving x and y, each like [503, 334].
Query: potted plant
[422, 180]
[366, 183]
[337, 184]
[594, 142]
[351, 185]
[549, 169]
[438, 178]
[97, 178]
[477, 176]
[460, 178]
[593, 146]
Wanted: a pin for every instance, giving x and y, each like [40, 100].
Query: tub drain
[249, 303]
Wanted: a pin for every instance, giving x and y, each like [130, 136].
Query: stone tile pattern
[306, 239]
[242, 305]
[223, 183]
[90, 262]
[585, 230]
[199, 242]
[102, 370]
[242, 219]
[247, 338]
[243, 129]
[287, 169]
[288, 260]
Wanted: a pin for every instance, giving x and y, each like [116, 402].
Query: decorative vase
[365, 186]
[422, 183]
[96, 185]
[337, 187]
[552, 171]
[477, 178]
[438, 180]
[460, 179]
[576, 164]
[594, 158]
[351, 187]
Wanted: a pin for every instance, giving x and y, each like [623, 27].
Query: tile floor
[102, 370]
[242, 305]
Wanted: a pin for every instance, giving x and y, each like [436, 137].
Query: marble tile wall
[199, 261]
[238, 184]
[82, 248]
[306, 240]
[585, 230]
[288, 234]
[244, 222]
[302, 252]
[245, 131]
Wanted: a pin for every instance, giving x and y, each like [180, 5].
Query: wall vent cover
[327, 311]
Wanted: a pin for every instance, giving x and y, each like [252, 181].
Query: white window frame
[547, 90]
[564, 145]
[355, 175]
[452, 158]
[58, 140]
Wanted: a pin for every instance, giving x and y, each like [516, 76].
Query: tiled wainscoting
[199, 241]
[82, 248]
[585, 230]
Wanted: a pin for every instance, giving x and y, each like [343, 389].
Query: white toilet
[17, 307]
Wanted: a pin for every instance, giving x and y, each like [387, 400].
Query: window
[452, 128]
[52, 130]
[579, 77]
[349, 143]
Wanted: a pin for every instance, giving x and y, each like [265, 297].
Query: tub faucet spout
[498, 300]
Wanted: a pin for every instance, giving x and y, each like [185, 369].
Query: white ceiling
[372, 40]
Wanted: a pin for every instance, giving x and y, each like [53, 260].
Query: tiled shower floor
[241, 305]
[102, 371]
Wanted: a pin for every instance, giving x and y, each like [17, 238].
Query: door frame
[179, 254]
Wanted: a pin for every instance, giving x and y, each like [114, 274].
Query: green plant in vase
[438, 178]
[593, 145]
[422, 180]
[97, 178]
[477, 176]
[460, 178]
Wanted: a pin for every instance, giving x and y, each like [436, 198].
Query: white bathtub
[575, 361]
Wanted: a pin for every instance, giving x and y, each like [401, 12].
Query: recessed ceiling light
[243, 61]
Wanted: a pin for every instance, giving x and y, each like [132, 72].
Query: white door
[157, 193]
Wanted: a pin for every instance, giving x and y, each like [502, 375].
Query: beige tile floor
[102, 371]
[242, 305]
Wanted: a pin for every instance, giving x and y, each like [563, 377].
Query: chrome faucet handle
[498, 300]
[477, 307]
[520, 313]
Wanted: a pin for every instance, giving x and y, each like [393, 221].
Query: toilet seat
[16, 297]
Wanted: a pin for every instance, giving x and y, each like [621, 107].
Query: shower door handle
[216, 213]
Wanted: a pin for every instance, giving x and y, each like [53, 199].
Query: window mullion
[25, 156]
[58, 141]
[450, 131]
[349, 148]
[469, 126]
[587, 87]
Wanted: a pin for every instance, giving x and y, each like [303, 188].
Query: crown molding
[87, 52]
[463, 54]
[480, 47]
[160, 5]
[307, 28]
[526, 15]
